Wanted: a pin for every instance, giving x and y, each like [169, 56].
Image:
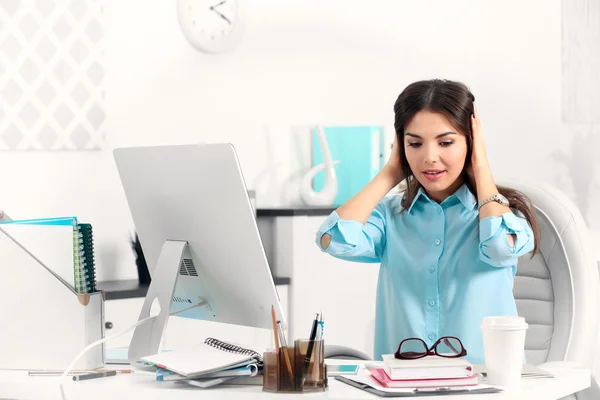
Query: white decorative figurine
[326, 196]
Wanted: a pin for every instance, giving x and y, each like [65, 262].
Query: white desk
[18, 385]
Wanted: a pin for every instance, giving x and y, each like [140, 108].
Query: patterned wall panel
[52, 75]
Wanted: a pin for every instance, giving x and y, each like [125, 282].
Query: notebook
[62, 244]
[427, 367]
[386, 381]
[85, 268]
[245, 370]
[211, 356]
[359, 150]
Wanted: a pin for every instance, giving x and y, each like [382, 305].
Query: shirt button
[432, 302]
[437, 242]
[431, 336]
[431, 269]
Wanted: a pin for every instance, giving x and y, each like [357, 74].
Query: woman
[449, 246]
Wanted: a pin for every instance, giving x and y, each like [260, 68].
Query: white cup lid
[505, 323]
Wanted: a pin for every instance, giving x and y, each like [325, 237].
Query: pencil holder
[289, 371]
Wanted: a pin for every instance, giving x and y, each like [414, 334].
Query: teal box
[359, 150]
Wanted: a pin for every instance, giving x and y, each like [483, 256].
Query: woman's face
[436, 153]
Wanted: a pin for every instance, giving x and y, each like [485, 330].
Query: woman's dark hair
[455, 101]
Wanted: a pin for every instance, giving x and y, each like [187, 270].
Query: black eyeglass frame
[431, 351]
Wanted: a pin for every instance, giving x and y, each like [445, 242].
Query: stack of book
[426, 372]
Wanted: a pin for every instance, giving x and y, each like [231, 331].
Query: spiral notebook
[211, 356]
[84, 261]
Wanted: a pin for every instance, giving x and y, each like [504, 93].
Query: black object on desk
[140, 261]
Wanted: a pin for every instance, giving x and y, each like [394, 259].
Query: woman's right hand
[393, 166]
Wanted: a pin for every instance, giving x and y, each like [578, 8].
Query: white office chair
[557, 290]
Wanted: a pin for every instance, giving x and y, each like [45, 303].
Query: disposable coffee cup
[503, 348]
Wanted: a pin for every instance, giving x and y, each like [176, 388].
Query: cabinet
[119, 315]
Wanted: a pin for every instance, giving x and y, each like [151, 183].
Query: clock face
[211, 26]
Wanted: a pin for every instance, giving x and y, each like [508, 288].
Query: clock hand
[225, 18]
[222, 16]
[217, 5]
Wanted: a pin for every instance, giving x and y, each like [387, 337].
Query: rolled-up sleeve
[494, 248]
[352, 240]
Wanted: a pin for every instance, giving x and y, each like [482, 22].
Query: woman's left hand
[479, 160]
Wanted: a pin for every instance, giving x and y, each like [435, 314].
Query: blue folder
[360, 152]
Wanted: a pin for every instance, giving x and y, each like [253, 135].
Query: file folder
[359, 150]
[45, 322]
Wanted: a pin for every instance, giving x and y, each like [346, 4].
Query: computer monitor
[198, 232]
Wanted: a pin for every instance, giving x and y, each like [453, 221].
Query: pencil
[286, 356]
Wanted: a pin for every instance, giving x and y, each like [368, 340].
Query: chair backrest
[557, 290]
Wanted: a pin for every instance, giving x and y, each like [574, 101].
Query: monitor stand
[147, 336]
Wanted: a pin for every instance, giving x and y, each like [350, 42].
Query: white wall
[300, 62]
[303, 62]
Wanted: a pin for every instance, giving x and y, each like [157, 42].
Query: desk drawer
[120, 315]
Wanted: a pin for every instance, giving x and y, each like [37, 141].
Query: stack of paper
[208, 364]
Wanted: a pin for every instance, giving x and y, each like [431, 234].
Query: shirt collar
[420, 193]
[463, 194]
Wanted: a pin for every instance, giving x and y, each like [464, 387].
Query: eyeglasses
[446, 346]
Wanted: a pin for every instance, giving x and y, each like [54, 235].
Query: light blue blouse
[442, 270]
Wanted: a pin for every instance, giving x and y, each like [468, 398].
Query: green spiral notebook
[85, 269]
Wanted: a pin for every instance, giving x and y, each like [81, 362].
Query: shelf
[131, 288]
[294, 211]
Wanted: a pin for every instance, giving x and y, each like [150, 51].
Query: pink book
[383, 378]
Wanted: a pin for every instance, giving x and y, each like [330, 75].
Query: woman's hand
[479, 159]
[393, 166]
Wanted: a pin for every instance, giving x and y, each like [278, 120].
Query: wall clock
[212, 26]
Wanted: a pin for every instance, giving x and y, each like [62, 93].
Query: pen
[286, 356]
[282, 339]
[311, 343]
[275, 330]
[76, 372]
[94, 375]
[321, 327]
